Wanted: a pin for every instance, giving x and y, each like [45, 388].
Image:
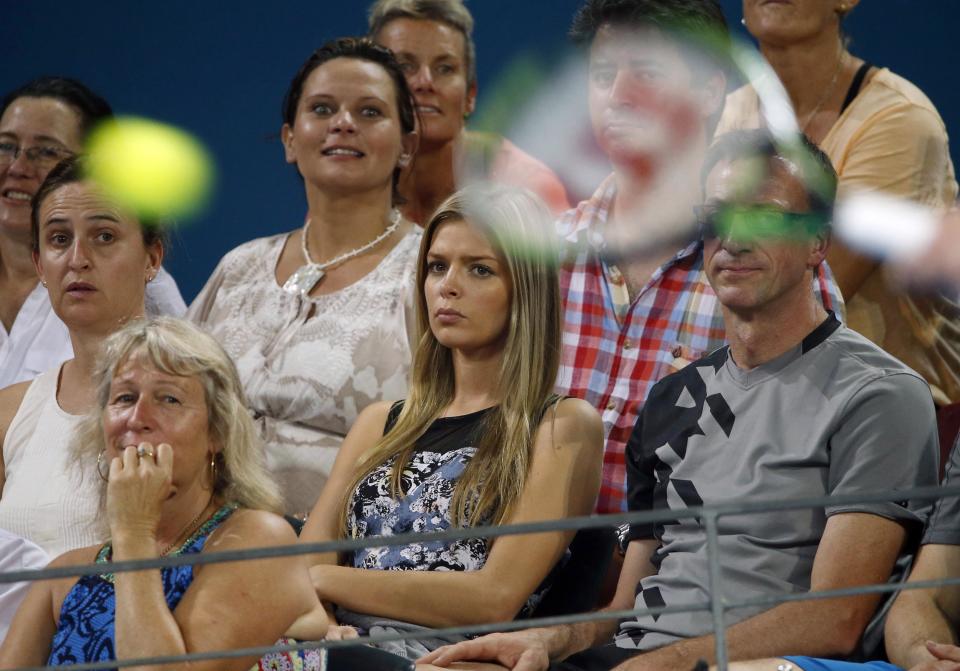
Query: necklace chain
[394, 223]
[827, 92]
[185, 532]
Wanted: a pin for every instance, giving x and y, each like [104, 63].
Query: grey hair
[177, 347]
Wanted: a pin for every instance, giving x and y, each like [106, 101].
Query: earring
[214, 471]
[743, 22]
[100, 463]
[43, 282]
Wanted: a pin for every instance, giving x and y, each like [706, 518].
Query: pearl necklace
[305, 278]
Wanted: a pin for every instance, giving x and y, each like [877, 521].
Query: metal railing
[709, 515]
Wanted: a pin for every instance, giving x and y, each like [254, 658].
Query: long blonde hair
[177, 347]
[519, 226]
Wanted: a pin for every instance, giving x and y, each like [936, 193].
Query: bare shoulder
[10, 399]
[573, 422]
[247, 528]
[79, 557]
[577, 410]
[374, 416]
[85, 555]
[571, 418]
[366, 430]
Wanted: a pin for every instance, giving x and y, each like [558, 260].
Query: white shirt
[39, 341]
[16, 554]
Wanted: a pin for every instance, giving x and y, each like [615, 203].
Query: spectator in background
[881, 133]
[182, 474]
[94, 260]
[319, 320]
[795, 406]
[42, 123]
[480, 440]
[630, 319]
[16, 554]
[433, 42]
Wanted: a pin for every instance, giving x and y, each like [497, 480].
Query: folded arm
[856, 549]
[919, 616]
[563, 480]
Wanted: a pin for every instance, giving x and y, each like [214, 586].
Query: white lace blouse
[309, 366]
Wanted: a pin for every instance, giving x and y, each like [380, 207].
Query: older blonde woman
[184, 474]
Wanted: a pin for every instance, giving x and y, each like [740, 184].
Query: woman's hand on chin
[139, 483]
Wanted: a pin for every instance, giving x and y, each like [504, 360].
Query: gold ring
[141, 451]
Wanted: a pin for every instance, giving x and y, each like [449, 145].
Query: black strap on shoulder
[552, 401]
[392, 416]
[855, 85]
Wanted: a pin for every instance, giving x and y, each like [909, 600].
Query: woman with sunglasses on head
[41, 123]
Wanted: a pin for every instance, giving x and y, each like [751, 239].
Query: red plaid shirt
[613, 353]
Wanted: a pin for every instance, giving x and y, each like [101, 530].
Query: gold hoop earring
[100, 461]
[214, 471]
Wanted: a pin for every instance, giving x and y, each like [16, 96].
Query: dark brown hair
[71, 171]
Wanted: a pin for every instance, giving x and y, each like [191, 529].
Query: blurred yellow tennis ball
[157, 170]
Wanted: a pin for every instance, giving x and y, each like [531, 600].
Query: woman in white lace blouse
[317, 319]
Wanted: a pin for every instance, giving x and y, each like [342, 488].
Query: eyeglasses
[41, 156]
[757, 222]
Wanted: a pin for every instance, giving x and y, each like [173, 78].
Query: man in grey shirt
[796, 405]
[921, 630]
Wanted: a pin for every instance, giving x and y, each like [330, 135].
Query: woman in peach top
[882, 134]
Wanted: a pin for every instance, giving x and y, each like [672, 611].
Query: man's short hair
[698, 27]
[695, 16]
[451, 12]
[820, 186]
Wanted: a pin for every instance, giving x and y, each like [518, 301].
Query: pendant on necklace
[303, 280]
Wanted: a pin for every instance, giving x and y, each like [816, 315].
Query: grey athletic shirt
[944, 525]
[834, 415]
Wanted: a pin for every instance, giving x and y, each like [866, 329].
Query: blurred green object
[748, 223]
[159, 171]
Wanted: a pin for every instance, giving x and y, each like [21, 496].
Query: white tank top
[44, 500]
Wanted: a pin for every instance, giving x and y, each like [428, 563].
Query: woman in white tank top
[95, 258]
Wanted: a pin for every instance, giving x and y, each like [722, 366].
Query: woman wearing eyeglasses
[42, 123]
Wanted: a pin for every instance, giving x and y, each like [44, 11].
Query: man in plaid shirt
[630, 319]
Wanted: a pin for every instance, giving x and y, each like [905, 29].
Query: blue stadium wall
[220, 70]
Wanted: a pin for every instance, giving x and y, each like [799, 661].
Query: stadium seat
[576, 588]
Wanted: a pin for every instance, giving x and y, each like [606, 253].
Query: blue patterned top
[87, 616]
[440, 459]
